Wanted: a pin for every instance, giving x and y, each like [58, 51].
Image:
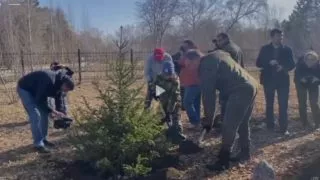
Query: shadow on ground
[261, 137]
[13, 125]
[308, 166]
[19, 153]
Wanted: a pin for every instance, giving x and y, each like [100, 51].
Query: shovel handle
[203, 133]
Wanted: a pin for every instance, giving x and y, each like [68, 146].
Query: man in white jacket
[154, 66]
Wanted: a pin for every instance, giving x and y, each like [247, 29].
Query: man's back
[32, 81]
[220, 68]
[235, 51]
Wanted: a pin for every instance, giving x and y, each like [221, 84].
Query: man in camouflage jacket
[170, 101]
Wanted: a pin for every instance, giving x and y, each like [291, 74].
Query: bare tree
[238, 10]
[271, 18]
[193, 12]
[30, 33]
[158, 16]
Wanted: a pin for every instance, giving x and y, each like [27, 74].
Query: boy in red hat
[153, 67]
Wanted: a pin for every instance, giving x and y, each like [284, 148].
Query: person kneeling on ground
[218, 71]
[34, 89]
[307, 82]
[170, 101]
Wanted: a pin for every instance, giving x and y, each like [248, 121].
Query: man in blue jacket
[34, 90]
[275, 61]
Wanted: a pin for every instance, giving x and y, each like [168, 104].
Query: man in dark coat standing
[275, 61]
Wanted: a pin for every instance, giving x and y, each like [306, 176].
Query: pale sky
[109, 15]
[286, 5]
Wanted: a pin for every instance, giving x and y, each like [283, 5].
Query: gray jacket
[152, 67]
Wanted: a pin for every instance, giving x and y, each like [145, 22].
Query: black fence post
[79, 65]
[131, 56]
[22, 63]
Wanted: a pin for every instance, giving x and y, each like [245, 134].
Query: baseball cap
[158, 54]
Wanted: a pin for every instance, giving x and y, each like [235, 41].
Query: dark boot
[222, 163]
[242, 156]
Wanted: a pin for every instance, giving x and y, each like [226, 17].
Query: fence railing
[86, 65]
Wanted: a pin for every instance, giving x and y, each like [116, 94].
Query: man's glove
[208, 125]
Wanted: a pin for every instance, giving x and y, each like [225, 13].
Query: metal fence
[86, 65]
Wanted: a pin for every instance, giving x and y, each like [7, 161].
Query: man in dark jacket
[223, 42]
[56, 66]
[218, 71]
[275, 61]
[34, 89]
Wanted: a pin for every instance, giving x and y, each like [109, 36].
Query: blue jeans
[192, 102]
[38, 117]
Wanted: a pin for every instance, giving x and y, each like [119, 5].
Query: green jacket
[235, 52]
[171, 96]
[218, 71]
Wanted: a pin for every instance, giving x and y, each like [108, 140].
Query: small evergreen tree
[120, 137]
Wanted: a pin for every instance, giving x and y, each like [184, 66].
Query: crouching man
[152, 67]
[218, 71]
[307, 84]
[170, 101]
[34, 89]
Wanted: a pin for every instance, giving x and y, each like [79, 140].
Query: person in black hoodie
[307, 82]
[56, 66]
[34, 90]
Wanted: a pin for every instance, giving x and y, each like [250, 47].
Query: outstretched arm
[208, 76]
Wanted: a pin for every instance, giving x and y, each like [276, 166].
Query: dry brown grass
[18, 161]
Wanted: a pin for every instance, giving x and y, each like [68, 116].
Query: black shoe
[42, 150]
[48, 144]
[223, 162]
[242, 156]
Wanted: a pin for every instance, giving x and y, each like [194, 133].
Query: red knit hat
[158, 54]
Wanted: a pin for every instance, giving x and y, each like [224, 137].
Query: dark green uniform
[237, 55]
[171, 103]
[235, 52]
[218, 71]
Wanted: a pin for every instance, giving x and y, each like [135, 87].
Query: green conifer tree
[119, 135]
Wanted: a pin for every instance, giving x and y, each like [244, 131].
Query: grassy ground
[289, 156]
